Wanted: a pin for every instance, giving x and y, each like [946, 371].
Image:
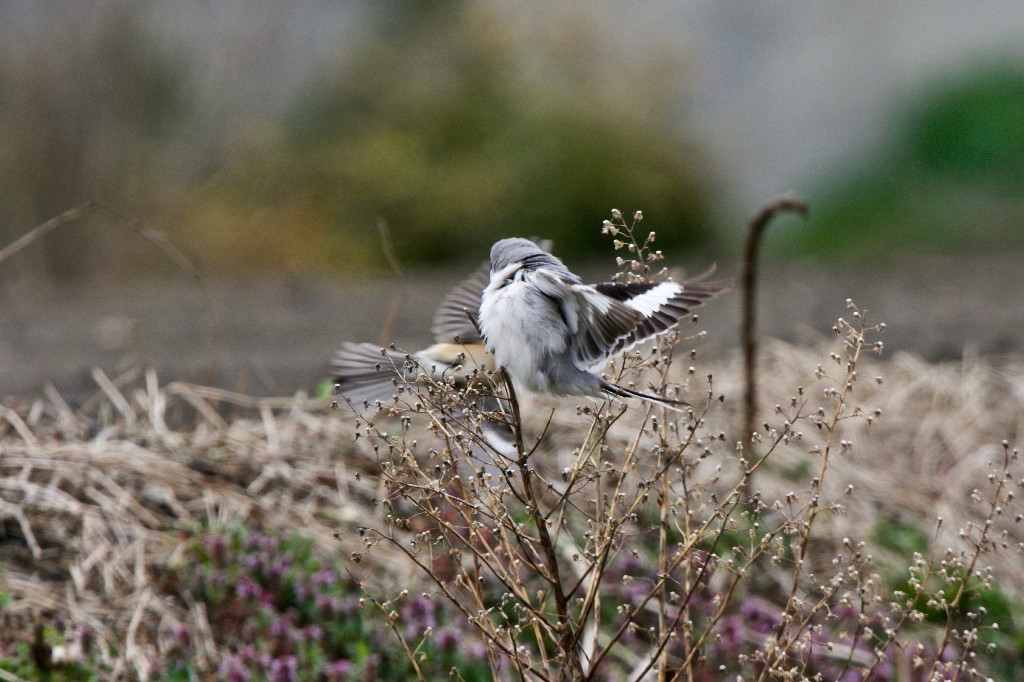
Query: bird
[368, 376]
[553, 334]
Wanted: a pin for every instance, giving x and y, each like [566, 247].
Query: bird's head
[527, 255]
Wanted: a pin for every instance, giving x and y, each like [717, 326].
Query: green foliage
[900, 537]
[990, 602]
[457, 127]
[974, 132]
[948, 179]
[33, 661]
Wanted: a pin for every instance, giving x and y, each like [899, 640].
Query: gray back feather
[518, 250]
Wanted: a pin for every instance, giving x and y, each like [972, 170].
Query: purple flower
[312, 633]
[731, 631]
[247, 588]
[253, 562]
[475, 649]
[635, 590]
[349, 605]
[758, 617]
[84, 636]
[283, 669]
[845, 612]
[417, 608]
[884, 671]
[325, 579]
[233, 670]
[181, 635]
[633, 564]
[328, 604]
[281, 627]
[217, 546]
[338, 670]
[448, 638]
[279, 566]
[419, 615]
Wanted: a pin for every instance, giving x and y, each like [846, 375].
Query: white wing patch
[651, 301]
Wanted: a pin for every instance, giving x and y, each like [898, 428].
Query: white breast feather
[517, 332]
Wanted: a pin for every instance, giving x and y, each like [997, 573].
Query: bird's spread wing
[450, 324]
[596, 322]
[660, 304]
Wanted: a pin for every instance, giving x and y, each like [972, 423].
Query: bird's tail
[364, 373]
[620, 392]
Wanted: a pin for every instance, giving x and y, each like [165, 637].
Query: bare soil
[275, 335]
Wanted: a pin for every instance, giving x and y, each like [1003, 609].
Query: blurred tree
[949, 178]
[460, 123]
[972, 130]
[86, 102]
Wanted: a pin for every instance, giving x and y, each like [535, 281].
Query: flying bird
[367, 375]
[553, 334]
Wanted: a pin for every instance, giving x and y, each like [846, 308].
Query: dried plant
[871, 531]
[633, 546]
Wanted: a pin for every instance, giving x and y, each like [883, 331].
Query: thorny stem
[659, 585]
[517, 422]
[604, 542]
[563, 645]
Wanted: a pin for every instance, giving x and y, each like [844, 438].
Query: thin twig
[38, 232]
[388, 329]
[154, 237]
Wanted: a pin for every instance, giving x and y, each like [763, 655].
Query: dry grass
[95, 502]
[90, 504]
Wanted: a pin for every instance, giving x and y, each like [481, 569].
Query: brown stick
[785, 202]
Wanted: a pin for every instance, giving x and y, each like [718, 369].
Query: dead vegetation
[95, 502]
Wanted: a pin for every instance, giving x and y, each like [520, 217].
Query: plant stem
[567, 642]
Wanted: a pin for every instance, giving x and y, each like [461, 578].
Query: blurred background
[270, 142]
